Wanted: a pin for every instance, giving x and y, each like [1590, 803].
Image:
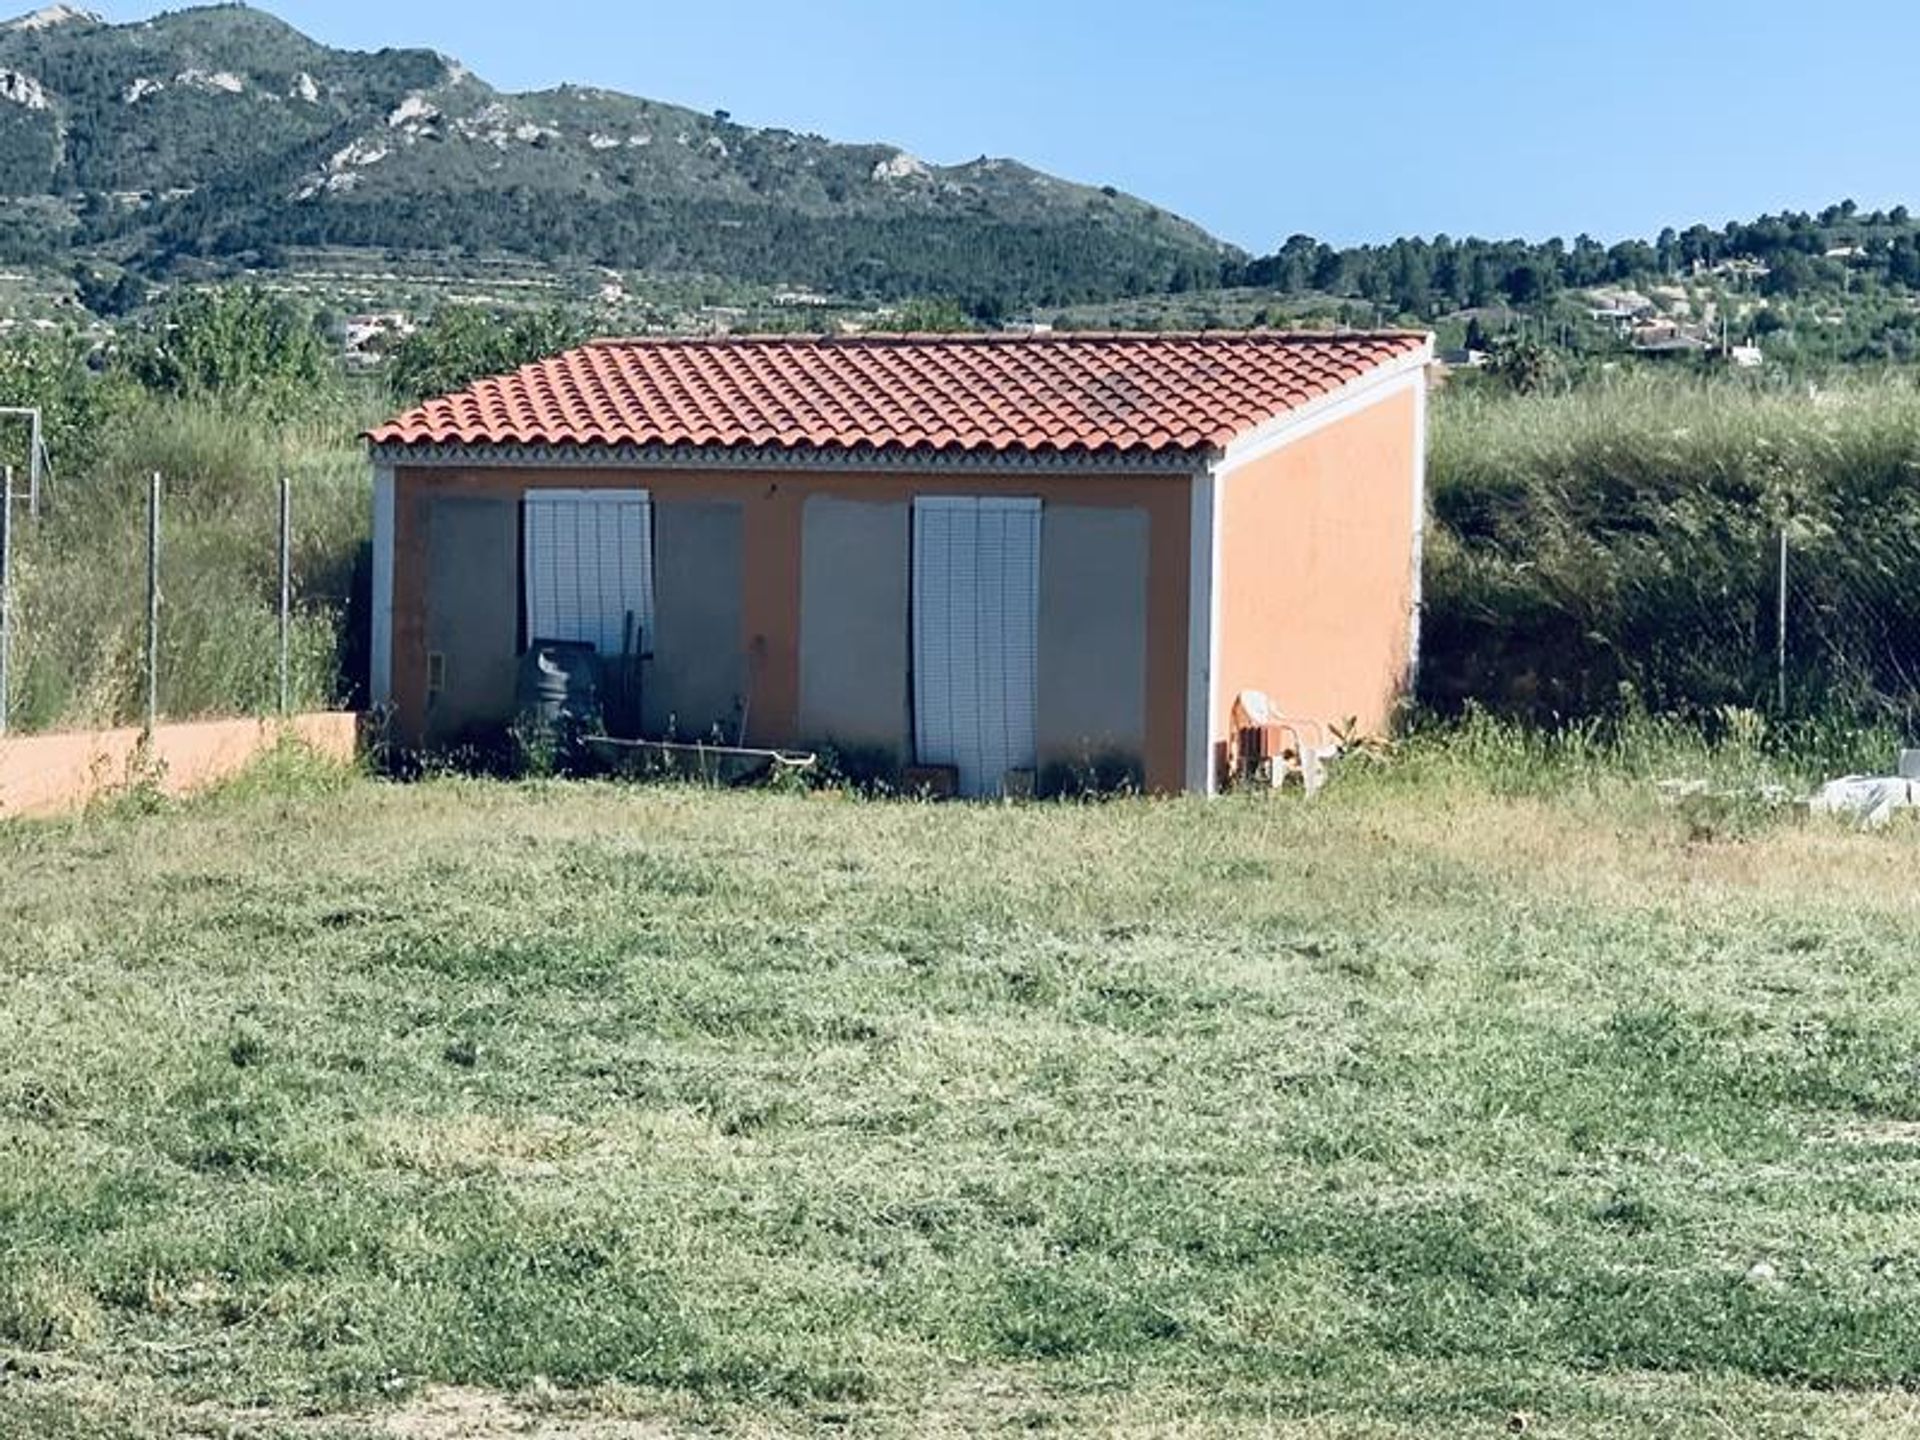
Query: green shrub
[244, 345]
[462, 343]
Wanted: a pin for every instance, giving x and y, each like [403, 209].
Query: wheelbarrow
[729, 766]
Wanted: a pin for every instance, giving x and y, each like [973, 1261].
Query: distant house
[1008, 558]
[1668, 339]
[1620, 308]
[1739, 268]
[367, 335]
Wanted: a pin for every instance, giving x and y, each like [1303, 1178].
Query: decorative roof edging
[1172, 463]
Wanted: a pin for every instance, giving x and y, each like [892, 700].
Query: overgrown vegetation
[222, 393]
[463, 343]
[80, 575]
[224, 397]
[1456, 1098]
[1616, 545]
[241, 347]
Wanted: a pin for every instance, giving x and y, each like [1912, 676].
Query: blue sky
[1353, 121]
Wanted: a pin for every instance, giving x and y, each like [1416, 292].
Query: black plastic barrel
[559, 680]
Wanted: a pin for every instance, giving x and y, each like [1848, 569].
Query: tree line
[1794, 253]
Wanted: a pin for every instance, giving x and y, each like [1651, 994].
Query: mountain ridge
[225, 131]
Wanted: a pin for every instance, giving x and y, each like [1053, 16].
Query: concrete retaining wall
[56, 774]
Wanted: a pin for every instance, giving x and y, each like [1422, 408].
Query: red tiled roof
[970, 393]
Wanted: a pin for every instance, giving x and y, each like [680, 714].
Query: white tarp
[1868, 799]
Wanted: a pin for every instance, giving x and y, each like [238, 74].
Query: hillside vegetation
[224, 132]
[1782, 254]
[216, 141]
[1799, 292]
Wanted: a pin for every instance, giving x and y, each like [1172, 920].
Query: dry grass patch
[473, 1143]
[460, 1413]
[44, 1309]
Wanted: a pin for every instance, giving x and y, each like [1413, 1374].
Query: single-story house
[1010, 558]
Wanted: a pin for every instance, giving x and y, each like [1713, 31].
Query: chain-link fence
[141, 603]
[1688, 615]
[1847, 623]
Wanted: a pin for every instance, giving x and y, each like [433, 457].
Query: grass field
[335, 1109]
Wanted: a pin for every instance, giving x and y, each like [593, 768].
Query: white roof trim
[1295, 425]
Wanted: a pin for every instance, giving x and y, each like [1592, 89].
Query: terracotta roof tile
[1094, 393]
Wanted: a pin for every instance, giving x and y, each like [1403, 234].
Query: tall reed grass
[1618, 545]
[79, 593]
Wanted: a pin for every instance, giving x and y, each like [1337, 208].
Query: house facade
[1021, 560]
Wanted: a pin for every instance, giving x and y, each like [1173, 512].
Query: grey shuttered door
[976, 636]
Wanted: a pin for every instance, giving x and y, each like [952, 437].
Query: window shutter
[589, 563]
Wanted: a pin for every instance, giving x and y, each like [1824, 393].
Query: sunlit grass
[1441, 1101]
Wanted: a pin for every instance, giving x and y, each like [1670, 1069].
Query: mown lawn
[473, 1110]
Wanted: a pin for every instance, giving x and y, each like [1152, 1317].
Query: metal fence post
[286, 595]
[6, 599]
[34, 449]
[153, 604]
[1780, 659]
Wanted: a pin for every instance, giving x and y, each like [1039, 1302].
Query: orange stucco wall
[772, 519]
[53, 774]
[1316, 570]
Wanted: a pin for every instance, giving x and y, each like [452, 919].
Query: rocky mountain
[222, 131]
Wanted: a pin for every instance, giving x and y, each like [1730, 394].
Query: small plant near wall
[142, 790]
[533, 747]
[1092, 777]
[1358, 743]
[541, 749]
